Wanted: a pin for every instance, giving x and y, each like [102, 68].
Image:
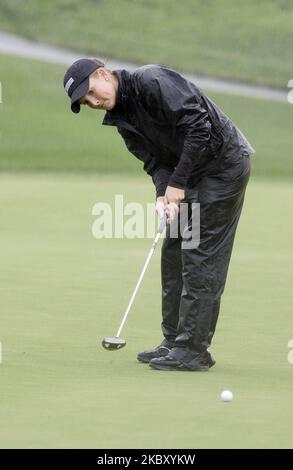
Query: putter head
[112, 344]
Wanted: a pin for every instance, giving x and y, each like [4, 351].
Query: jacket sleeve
[160, 174]
[161, 178]
[176, 98]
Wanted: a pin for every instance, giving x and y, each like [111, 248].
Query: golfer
[196, 156]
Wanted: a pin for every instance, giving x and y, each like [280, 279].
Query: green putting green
[62, 291]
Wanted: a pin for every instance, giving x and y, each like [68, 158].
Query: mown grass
[62, 291]
[245, 40]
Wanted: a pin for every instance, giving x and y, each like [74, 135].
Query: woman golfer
[194, 154]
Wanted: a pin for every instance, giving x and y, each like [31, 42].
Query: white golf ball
[227, 395]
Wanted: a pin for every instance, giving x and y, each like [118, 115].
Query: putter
[115, 343]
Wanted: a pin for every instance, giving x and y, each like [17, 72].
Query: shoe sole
[168, 368]
[177, 369]
[147, 361]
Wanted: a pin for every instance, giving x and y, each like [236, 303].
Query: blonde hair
[99, 61]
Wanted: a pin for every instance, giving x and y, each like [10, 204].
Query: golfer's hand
[171, 209]
[172, 199]
[174, 195]
[160, 206]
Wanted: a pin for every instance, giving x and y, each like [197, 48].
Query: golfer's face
[101, 94]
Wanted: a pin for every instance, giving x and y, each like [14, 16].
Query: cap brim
[80, 91]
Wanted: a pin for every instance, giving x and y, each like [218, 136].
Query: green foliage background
[244, 40]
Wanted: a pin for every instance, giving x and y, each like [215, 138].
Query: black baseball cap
[76, 80]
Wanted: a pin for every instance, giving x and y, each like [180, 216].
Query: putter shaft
[160, 231]
[139, 281]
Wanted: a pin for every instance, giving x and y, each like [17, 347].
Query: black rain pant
[193, 279]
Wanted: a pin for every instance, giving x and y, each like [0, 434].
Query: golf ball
[227, 395]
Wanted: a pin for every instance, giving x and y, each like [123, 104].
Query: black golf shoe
[209, 359]
[182, 359]
[160, 351]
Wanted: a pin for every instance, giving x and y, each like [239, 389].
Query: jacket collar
[123, 92]
[123, 77]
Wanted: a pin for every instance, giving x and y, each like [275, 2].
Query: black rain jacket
[169, 124]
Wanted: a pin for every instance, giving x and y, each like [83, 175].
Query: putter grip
[163, 221]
